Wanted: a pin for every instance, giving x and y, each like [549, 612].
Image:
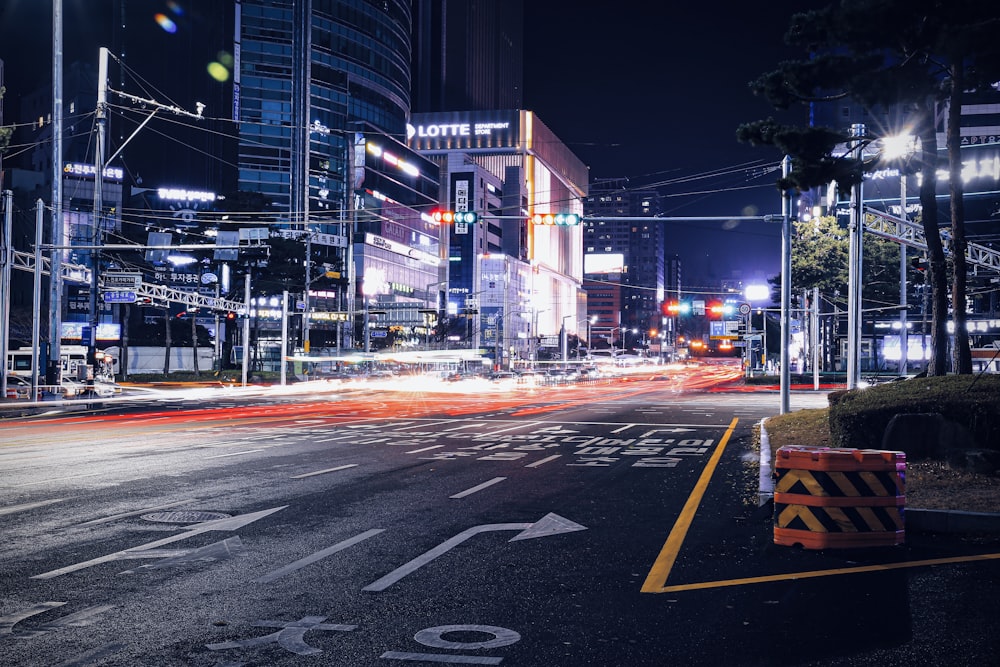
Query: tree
[919, 61]
[5, 131]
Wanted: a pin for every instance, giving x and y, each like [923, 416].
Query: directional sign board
[119, 296]
[122, 281]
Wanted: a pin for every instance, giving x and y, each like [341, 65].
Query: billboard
[463, 130]
[613, 262]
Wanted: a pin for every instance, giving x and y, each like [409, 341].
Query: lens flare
[164, 22]
[175, 8]
[218, 71]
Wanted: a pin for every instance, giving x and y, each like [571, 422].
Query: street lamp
[901, 147]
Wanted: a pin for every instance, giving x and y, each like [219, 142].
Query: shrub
[858, 418]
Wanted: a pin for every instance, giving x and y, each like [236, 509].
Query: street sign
[122, 281]
[119, 296]
[744, 309]
[379, 334]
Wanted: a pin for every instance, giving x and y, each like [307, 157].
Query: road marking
[319, 555]
[623, 428]
[323, 472]
[542, 462]
[425, 449]
[125, 515]
[14, 509]
[791, 576]
[58, 479]
[8, 622]
[479, 487]
[657, 577]
[221, 456]
[550, 524]
[229, 523]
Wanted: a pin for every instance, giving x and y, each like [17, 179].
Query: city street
[608, 523]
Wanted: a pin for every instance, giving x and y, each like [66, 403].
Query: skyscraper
[306, 71]
[468, 56]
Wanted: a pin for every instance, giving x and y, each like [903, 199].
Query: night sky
[654, 92]
[648, 91]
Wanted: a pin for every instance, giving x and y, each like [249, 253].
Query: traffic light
[672, 308]
[449, 217]
[560, 219]
[920, 264]
[720, 309]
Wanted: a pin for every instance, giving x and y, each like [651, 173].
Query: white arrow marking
[228, 523]
[550, 524]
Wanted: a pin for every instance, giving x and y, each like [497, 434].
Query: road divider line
[323, 472]
[319, 555]
[424, 449]
[478, 487]
[542, 462]
[58, 479]
[656, 579]
[222, 456]
[14, 509]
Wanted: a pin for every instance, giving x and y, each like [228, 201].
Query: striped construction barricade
[828, 497]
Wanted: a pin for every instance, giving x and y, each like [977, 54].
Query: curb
[917, 519]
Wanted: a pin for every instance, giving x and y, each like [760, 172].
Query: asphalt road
[605, 524]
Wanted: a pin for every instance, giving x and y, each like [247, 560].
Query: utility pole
[8, 259]
[786, 288]
[55, 269]
[101, 119]
[856, 231]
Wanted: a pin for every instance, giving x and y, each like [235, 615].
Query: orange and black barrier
[839, 497]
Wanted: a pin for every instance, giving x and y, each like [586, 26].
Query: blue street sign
[118, 296]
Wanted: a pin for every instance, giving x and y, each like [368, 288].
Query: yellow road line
[791, 576]
[657, 577]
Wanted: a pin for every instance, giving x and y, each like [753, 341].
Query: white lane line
[58, 479]
[623, 428]
[478, 487]
[542, 462]
[248, 451]
[425, 449]
[14, 509]
[323, 472]
[319, 555]
[125, 515]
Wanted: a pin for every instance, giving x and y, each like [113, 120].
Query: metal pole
[903, 334]
[786, 288]
[8, 258]
[246, 326]
[305, 296]
[96, 236]
[856, 232]
[36, 299]
[284, 336]
[815, 338]
[55, 264]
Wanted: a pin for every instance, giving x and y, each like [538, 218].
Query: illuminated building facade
[536, 173]
[624, 258]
